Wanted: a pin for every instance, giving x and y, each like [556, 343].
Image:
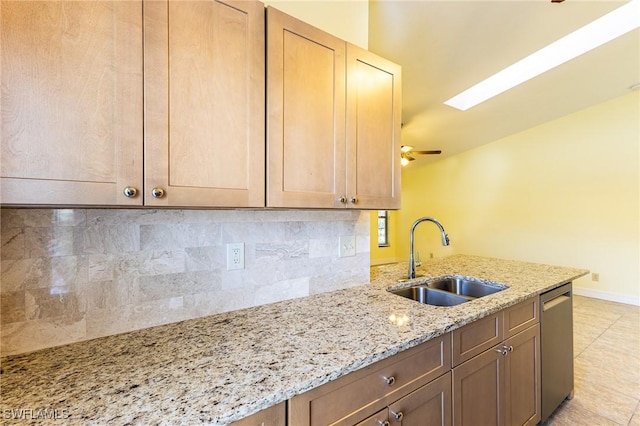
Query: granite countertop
[221, 368]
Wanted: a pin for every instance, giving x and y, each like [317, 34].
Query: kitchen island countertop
[221, 368]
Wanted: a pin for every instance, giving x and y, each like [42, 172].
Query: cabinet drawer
[476, 337]
[377, 419]
[428, 406]
[520, 317]
[360, 394]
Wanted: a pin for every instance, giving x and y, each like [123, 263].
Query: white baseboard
[606, 295]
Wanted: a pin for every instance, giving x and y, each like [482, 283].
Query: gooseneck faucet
[412, 261]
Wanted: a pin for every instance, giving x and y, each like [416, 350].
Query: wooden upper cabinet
[373, 130]
[71, 105]
[333, 121]
[305, 114]
[204, 103]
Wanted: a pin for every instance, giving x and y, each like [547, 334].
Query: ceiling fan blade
[426, 152]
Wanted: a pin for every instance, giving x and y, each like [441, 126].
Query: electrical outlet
[347, 246]
[595, 276]
[235, 256]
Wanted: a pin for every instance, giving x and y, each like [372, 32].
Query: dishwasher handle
[550, 304]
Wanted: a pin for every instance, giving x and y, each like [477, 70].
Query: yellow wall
[348, 20]
[566, 192]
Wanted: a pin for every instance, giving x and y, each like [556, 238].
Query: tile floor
[606, 365]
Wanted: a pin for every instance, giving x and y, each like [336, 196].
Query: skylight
[604, 29]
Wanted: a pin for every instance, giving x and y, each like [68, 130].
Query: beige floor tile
[586, 329]
[627, 324]
[610, 352]
[593, 317]
[602, 307]
[606, 402]
[606, 365]
[594, 372]
[570, 413]
[635, 420]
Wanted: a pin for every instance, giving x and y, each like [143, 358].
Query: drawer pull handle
[398, 416]
[390, 380]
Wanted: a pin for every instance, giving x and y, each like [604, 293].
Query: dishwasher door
[556, 348]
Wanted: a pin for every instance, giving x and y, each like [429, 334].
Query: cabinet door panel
[373, 130]
[478, 390]
[428, 406]
[204, 99]
[71, 102]
[522, 378]
[306, 122]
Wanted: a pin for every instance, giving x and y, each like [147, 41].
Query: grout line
[594, 339]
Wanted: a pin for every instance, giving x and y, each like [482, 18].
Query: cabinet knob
[397, 416]
[130, 192]
[509, 348]
[383, 422]
[502, 351]
[390, 380]
[157, 192]
[354, 200]
[343, 199]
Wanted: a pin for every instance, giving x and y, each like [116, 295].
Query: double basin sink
[450, 290]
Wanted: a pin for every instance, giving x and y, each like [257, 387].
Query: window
[383, 228]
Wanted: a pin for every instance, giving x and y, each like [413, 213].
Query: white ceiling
[445, 47]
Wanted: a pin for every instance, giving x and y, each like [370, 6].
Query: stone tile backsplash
[75, 274]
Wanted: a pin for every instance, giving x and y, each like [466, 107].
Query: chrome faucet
[443, 234]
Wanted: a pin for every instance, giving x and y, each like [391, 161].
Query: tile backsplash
[75, 274]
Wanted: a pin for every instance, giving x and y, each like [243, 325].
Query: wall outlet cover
[235, 256]
[347, 246]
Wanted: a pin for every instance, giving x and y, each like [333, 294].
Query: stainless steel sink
[430, 296]
[449, 291]
[465, 286]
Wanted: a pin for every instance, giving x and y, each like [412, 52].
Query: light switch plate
[347, 246]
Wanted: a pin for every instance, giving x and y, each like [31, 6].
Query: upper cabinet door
[373, 130]
[305, 115]
[71, 110]
[204, 103]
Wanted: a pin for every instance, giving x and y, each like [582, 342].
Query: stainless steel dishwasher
[556, 348]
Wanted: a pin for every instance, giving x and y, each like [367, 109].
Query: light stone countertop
[221, 368]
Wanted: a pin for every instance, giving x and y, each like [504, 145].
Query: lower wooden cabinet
[478, 389]
[485, 373]
[272, 416]
[522, 378]
[404, 379]
[501, 385]
[430, 405]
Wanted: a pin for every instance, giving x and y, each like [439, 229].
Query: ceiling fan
[407, 153]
